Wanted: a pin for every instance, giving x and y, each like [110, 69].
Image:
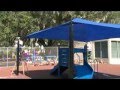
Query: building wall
[110, 59]
[113, 60]
[100, 51]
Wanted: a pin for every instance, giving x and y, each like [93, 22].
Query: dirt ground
[102, 71]
[106, 71]
[34, 72]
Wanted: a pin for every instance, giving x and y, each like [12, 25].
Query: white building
[107, 50]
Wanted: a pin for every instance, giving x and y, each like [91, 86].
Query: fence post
[57, 53]
[34, 55]
[7, 56]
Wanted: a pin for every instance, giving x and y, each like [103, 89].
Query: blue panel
[78, 50]
[54, 69]
[63, 56]
[84, 30]
[83, 72]
[58, 70]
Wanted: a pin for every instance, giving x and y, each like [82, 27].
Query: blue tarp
[84, 30]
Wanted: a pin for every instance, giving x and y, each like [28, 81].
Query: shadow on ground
[40, 74]
[45, 74]
[98, 75]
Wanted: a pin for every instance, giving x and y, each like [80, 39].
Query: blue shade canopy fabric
[84, 30]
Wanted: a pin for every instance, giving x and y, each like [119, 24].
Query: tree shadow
[98, 75]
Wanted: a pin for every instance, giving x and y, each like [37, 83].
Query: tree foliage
[22, 23]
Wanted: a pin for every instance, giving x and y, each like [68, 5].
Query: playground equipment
[79, 30]
[81, 71]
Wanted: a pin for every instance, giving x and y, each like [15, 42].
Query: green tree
[22, 23]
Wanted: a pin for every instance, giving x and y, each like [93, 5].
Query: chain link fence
[31, 54]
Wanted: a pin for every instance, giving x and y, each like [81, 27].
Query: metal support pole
[34, 55]
[85, 54]
[94, 66]
[58, 61]
[18, 50]
[97, 66]
[71, 54]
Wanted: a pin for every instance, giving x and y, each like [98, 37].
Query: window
[104, 49]
[101, 49]
[97, 49]
[119, 49]
[115, 47]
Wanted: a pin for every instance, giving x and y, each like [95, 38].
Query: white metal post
[109, 51]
